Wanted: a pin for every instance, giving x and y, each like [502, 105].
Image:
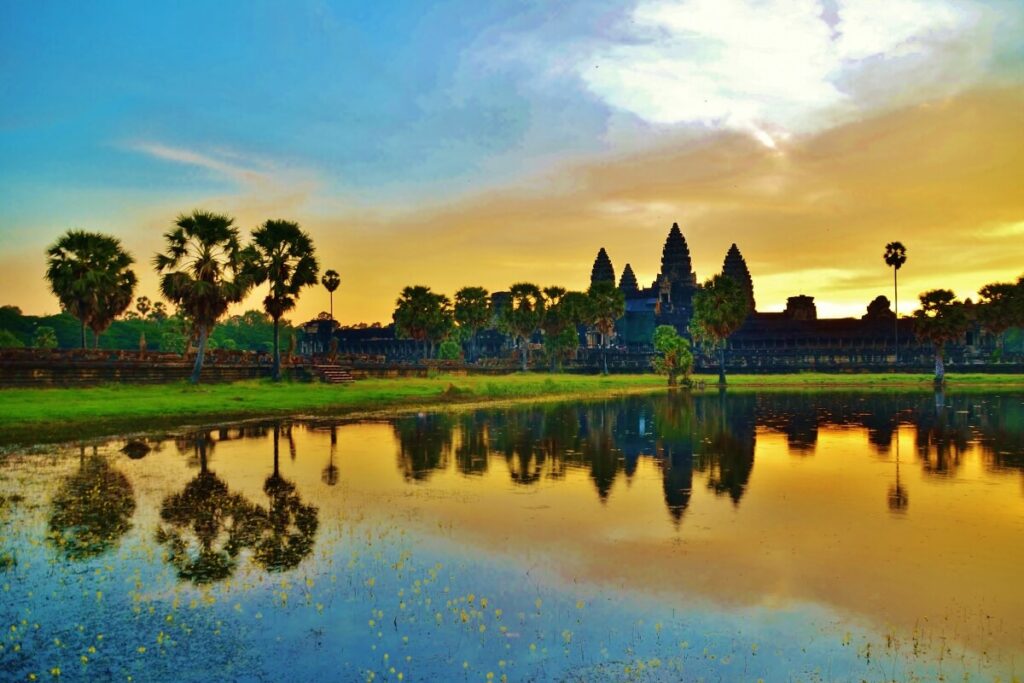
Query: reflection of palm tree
[92, 509]
[290, 529]
[471, 453]
[727, 429]
[330, 475]
[205, 527]
[424, 444]
[941, 438]
[898, 497]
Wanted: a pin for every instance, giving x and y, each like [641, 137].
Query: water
[773, 536]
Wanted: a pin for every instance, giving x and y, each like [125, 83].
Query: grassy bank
[40, 415]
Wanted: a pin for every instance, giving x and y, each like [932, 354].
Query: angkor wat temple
[795, 338]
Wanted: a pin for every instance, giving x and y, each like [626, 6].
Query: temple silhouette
[794, 338]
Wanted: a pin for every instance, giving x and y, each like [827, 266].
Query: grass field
[42, 415]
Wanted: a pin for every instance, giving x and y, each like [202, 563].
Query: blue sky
[387, 127]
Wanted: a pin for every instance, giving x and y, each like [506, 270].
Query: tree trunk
[940, 368]
[525, 353]
[671, 379]
[200, 353]
[277, 350]
[472, 347]
[721, 364]
[896, 316]
[83, 333]
[604, 353]
[277, 447]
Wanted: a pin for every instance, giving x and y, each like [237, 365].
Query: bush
[8, 340]
[449, 350]
[44, 338]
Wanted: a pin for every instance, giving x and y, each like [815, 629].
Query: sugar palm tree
[331, 280]
[895, 256]
[941, 319]
[201, 272]
[607, 304]
[282, 255]
[90, 273]
[422, 315]
[523, 316]
[720, 307]
[472, 312]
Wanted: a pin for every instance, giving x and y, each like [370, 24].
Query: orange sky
[811, 216]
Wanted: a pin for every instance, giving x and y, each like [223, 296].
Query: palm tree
[330, 281]
[940, 319]
[422, 315]
[143, 306]
[607, 304]
[720, 306]
[159, 312]
[1001, 307]
[202, 272]
[283, 255]
[523, 315]
[472, 313]
[895, 257]
[91, 276]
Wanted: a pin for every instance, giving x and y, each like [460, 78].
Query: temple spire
[602, 270]
[628, 283]
[736, 267]
[676, 266]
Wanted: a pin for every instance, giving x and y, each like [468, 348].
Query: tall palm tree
[895, 257]
[720, 306]
[523, 315]
[202, 272]
[283, 255]
[90, 273]
[940, 319]
[607, 304]
[422, 315]
[472, 312]
[330, 281]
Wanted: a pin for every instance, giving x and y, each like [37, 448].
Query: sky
[465, 143]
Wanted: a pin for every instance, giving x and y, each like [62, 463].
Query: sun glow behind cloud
[775, 67]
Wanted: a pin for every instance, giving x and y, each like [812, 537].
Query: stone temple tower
[677, 280]
[602, 270]
[628, 283]
[736, 268]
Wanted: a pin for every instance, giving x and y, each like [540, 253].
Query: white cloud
[779, 66]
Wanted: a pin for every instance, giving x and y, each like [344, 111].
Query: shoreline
[52, 415]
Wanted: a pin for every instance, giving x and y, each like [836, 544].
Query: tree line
[443, 325]
[204, 268]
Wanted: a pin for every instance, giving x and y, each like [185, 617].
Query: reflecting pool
[720, 537]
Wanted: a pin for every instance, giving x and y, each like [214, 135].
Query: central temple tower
[676, 282]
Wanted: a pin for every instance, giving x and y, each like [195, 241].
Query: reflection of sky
[809, 558]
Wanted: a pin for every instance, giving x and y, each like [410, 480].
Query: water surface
[825, 536]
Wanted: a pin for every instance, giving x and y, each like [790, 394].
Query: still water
[831, 537]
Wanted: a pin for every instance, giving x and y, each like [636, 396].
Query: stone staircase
[333, 374]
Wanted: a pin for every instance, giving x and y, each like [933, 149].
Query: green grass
[41, 415]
